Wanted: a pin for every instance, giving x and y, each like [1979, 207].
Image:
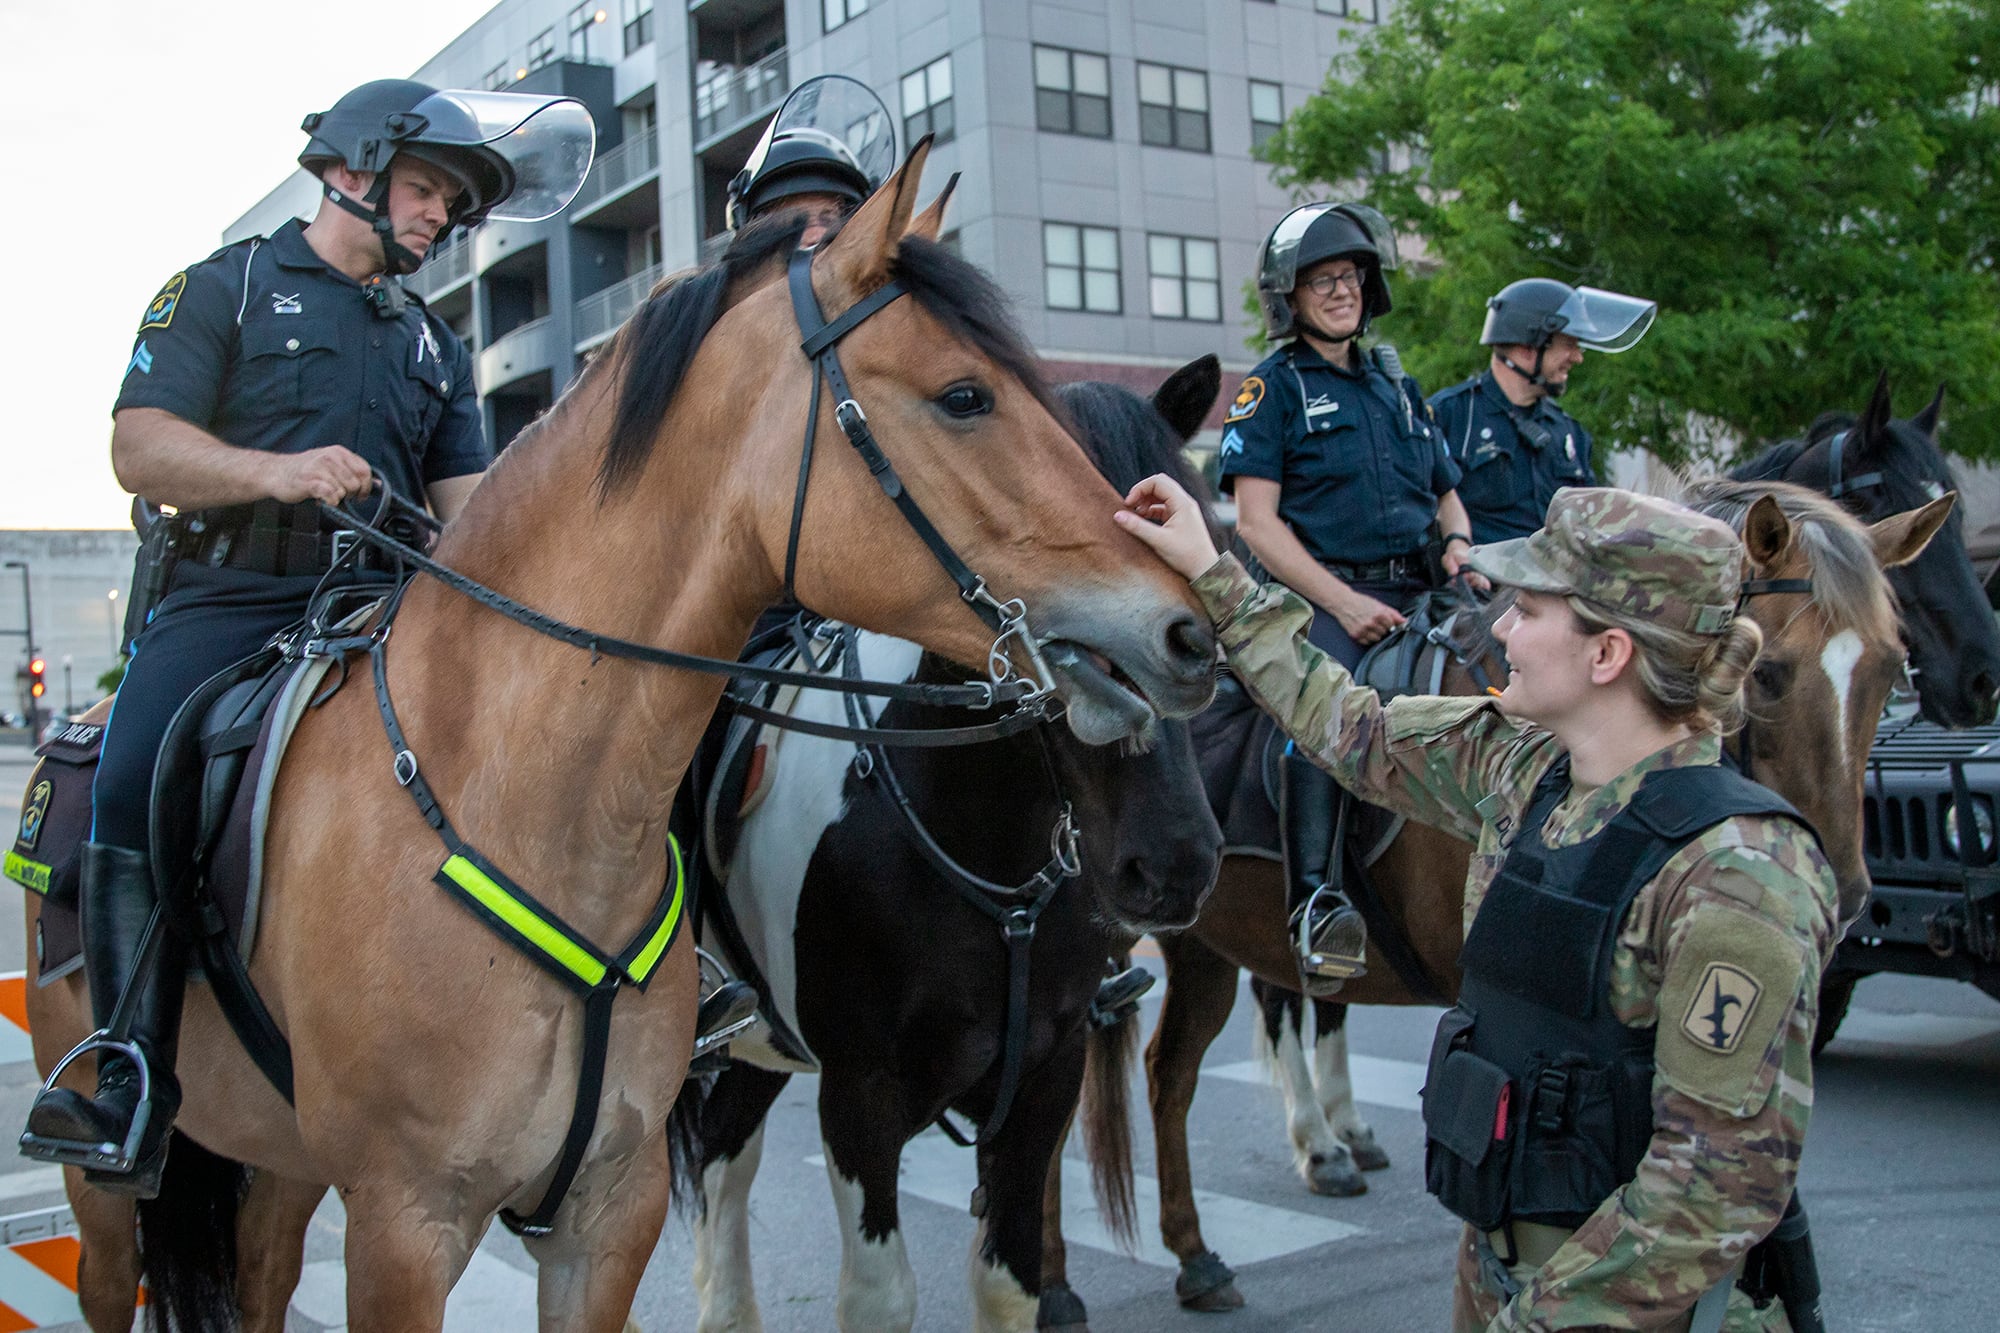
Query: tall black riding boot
[96, 1133]
[1328, 934]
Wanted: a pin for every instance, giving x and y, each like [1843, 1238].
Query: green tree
[1807, 188]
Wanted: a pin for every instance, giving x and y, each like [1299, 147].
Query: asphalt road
[1902, 1175]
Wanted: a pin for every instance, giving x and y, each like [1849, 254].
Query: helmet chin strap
[1550, 387]
[397, 258]
[1311, 326]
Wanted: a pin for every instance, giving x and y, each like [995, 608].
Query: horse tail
[187, 1241]
[684, 1143]
[1108, 1053]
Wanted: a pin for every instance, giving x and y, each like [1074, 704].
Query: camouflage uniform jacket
[1753, 895]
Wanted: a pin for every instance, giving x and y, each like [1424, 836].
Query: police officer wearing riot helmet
[1340, 478]
[1617, 1105]
[1503, 428]
[275, 373]
[825, 150]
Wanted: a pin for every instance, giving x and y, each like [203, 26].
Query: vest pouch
[1568, 1116]
[1470, 1128]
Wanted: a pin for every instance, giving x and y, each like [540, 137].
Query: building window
[496, 78]
[927, 102]
[1267, 112]
[1186, 278]
[1080, 268]
[1173, 107]
[582, 18]
[1072, 92]
[837, 12]
[542, 50]
[638, 24]
[1364, 11]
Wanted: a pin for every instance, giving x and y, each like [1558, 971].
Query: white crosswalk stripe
[1378, 1082]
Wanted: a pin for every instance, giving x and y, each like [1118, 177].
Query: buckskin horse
[436, 1069]
[1830, 657]
[1874, 466]
[931, 928]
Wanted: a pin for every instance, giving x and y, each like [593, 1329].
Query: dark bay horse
[1875, 467]
[436, 1068]
[1829, 660]
[881, 957]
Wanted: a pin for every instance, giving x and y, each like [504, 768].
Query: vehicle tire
[1836, 989]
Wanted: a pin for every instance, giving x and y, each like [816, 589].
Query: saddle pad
[46, 853]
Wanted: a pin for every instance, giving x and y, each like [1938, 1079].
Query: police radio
[385, 295]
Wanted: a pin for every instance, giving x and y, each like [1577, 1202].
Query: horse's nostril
[1189, 639]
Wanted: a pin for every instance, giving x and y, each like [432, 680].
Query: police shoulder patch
[1249, 397]
[160, 313]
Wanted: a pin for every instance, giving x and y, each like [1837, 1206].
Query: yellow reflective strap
[34, 875]
[504, 905]
[649, 957]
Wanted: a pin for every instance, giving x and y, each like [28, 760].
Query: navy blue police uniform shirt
[267, 347]
[1514, 459]
[1359, 465]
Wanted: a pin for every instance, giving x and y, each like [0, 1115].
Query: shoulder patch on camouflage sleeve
[1729, 990]
[1249, 397]
[160, 313]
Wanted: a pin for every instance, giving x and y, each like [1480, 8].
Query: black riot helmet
[831, 136]
[513, 155]
[1311, 234]
[1530, 312]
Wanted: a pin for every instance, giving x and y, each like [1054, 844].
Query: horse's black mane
[1774, 462]
[659, 342]
[1127, 438]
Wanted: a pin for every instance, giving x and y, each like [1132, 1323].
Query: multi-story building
[1105, 147]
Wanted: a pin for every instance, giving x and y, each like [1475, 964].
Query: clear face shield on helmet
[1605, 321]
[842, 116]
[548, 141]
[1278, 265]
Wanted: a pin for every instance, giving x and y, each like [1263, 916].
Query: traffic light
[38, 684]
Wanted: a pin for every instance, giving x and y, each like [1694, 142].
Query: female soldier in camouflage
[1617, 1104]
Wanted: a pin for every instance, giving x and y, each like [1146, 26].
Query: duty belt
[1414, 565]
[279, 540]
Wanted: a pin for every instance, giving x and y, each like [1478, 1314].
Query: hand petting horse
[436, 1065]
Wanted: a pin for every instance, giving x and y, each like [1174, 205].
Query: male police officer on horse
[1503, 428]
[279, 372]
[828, 148]
[1340, 480]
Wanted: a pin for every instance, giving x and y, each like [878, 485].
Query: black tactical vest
[1538, 1105]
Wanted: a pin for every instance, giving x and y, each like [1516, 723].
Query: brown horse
[1829, 660]
[435, 1068]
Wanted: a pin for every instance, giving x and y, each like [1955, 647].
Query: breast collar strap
[1008, 619]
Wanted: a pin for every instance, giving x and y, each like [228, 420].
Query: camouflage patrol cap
[1634, 554]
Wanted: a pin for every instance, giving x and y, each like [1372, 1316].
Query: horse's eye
[1772, 678]
[965, 400]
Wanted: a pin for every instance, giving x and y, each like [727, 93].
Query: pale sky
[135, 131]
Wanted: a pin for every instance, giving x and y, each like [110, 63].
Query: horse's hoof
[1061, 1311]
[1368, 1154]
[1334, 1177]
[1206, 1285]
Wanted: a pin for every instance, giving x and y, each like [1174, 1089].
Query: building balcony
[732, 14]
[608, 193]
[599, 314]
[533, 348]
[730, 96]
[443, 271]
[495, 244]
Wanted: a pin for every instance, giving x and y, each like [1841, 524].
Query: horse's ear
[859, 256]
[1901, 538]
[1767, 533]
[929, 224]
[1927, 420]
[1185, 399]
[1874, 417]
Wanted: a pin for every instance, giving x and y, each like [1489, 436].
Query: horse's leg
[1318, 1155]
[732, 1145]
[270, 1247]
[1061, 1311]
[864, 1135]
[1336, 1086]
[1014, 1169]
[107, 1269]
[588, 1268]
[1200, 992]
[404, 1252]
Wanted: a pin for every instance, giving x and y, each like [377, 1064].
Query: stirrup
[115, 1159]
[728, 1005]
[1118, 996]
[1331, 940]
